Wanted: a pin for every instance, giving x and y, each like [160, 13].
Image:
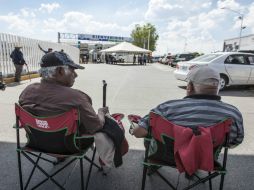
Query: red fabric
[48, 124]
[160, 126]
[134, 118]
[191, 152]
[118, 117]
[125, 146]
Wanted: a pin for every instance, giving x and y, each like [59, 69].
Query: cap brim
[76, 66]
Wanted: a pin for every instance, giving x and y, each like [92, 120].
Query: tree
[145, 36]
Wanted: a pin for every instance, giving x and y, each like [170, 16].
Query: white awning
[125, 47]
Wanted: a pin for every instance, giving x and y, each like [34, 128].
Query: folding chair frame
[218, 171]
[28, 152]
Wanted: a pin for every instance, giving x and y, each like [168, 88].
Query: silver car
[235, 68]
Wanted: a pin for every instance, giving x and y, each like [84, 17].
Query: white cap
[202, 74]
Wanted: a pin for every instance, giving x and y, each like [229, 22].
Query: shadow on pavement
[127, 177]
[238, 91]
[128, 64]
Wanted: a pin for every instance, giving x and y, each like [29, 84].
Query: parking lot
[132, 89]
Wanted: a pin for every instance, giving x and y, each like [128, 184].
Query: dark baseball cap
[57, 58]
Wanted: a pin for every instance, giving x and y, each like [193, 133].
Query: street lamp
[241, 28]
[148, 40]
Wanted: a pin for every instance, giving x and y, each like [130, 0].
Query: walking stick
[28, 72]
[104, 93]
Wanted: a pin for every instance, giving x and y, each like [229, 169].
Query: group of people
[201, 107]
[110, 59]
[141, 59]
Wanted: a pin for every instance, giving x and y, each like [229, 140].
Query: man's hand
[103, 111]
[101, 114]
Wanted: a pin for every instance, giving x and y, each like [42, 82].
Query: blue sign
[92, 37]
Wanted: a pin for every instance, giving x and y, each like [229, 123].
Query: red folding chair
[56, 137]
[171, 150]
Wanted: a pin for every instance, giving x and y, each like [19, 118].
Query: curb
[23, 77]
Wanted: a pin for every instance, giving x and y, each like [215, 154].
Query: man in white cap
[18, 60]
[201, 107]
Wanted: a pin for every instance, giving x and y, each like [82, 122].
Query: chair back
[55, 134]
[174, 142]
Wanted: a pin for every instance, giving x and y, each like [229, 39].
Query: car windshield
[206, 58]
[183, 55]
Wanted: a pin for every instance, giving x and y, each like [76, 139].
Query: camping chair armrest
[15, 126]
[85, 136]
[147, 139]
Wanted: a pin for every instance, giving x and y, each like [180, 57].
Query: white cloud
[204, 27]
[232, 4]
[206, 4]
[248, 19]
[196, 29]
[127, 13]
[27, 13]
[16, 23]
[164, 9]
[158, 7]
[49, 7]
[77, 22]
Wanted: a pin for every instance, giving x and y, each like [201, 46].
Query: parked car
[182, 57]
[156, 59]
[166, 60]
[235, 68]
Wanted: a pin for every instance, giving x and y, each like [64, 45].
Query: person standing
[134, 59]
[144, 59]
[49, 49]
[19, 62]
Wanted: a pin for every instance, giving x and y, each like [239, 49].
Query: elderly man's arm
[138, 131]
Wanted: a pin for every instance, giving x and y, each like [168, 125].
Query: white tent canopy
[125, 47]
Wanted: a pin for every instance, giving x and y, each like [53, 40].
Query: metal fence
[32, 53]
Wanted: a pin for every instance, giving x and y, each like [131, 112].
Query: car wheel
[223, 82]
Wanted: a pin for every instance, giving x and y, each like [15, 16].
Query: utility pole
[148, 41]
[241, 27]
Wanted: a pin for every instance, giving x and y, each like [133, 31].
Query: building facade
[247, 43]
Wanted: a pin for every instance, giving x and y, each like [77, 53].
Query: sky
[190, 25]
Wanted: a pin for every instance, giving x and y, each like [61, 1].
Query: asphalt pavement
[132, 89]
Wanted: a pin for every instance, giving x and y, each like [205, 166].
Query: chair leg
[210, 182]
[90, 169]
[32, 172]
[20, 171]
[81, 173]
[144, 177]
[222, 181]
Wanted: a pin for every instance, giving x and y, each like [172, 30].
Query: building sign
[93, 37]
[246, 43]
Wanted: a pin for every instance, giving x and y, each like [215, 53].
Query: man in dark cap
[18, 60]
[54, 95]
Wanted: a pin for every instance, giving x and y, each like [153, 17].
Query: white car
[235, 68]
